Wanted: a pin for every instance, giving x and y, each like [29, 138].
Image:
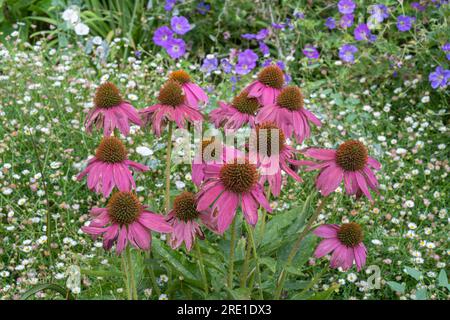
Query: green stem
[264, 217]
[167, 172]
[231, 257]
[202, 267]
[127, 278]
[255, 255]
[130, 39]
[244, 272]
[295, 248]
[133, 289]
[154, 283]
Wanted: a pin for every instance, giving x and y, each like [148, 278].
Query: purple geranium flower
[226, 65]
[210, 63]
[248, 36]
[346, 21]
[247, 56]
[299, 15]
[379, 12]
[404, 23]
[176, 48]
[262, 34]
[246, 62]
[439, 78]
[362, 32]
[203, 8]
[281, 64]
[180, 24]
[417, 6]
[162, 36]
[278, 25]
[264, 48]
[244, 67]
[346, 6]
[346, 53]
[446, 49]
[289, 24]
[169, 5]
[311, 52]
[330, 23]
[266, 63]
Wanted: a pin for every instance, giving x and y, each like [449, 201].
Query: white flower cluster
[72, 16]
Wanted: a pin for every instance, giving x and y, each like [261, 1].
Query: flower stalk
[295, 248]
[131, 277]
[167, 172]
[231, 257]
[202, 267]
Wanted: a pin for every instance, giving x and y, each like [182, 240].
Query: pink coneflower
[289, 114]
[268, 86]
[349, 162]
[111, 111]
[240, 112]
[345, 242]
[125, 220]
[184, 218]
[110, 168]
[211, 151]
[228, 186]
[272, 156]
[194, 94]
[172, 106]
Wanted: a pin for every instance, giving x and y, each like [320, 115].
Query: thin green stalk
[133, 289]
[231, 257]
[130, 40]
[202, 267]
[264, 217]
[255, 255]
[167, 172]
[127, 278]
[244, 271]
[154, 283]
[295, 248]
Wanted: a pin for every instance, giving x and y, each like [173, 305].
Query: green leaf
[399, 287]
[102, 273]
[413, 273]
[421, 294]
[443, 280]
[47, 286]
[169, 257]
[239, 294]
[269, 263]
[325, 295]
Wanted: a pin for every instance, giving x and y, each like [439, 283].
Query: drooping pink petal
[207, 198]
[321, 154]
[122, 239]
[311, 117]
[110, 236]
[139, 236]
[360, 256]
[226, 206]
[258, 193]
[374, 163]
[250, 208]
[325, 247]
[154, 222]
[362, 184]
[326, 231]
